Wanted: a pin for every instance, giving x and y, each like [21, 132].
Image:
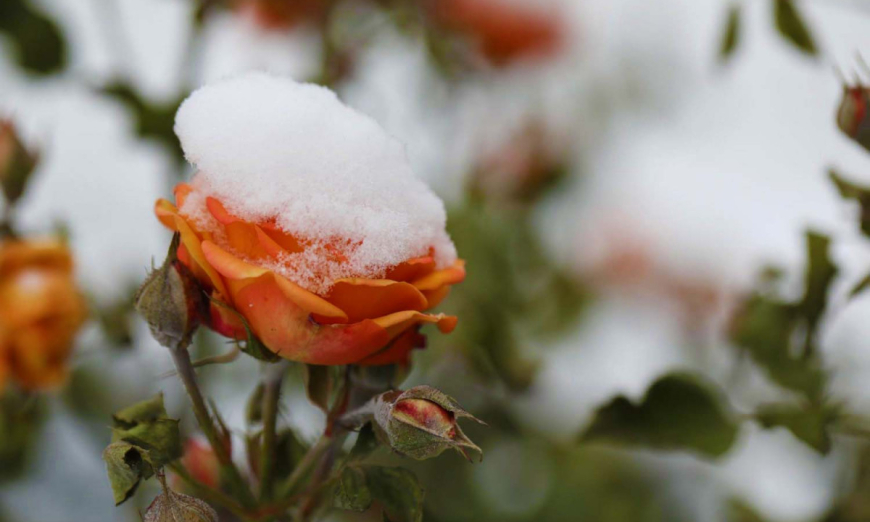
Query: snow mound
[270, 148]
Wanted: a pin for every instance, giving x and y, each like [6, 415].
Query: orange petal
[243, 238]
[234, 268]
[15, 255]
[220, 213]
[434, 297]
[269, 245]
[369, 298]
[194, 249]
[283, 239]
[399, 351]
[181, 191]
[411, 269]
[397, 323]
[165, 212]
[284, 328]
[229, 265]
[448, 276]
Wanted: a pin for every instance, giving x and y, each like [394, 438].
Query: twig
[272, 379]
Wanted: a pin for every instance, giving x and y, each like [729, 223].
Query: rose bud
[171, 301]
[16, 162]
[306, 225]
[200, 461]
[41, 311]
[853, 115]
[421, 423]
[170, 506]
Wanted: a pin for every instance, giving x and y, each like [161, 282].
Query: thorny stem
[183, 365]
[272, 379]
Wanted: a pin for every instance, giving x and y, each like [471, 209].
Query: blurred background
[620, 175]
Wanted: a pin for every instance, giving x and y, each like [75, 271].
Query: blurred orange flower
[358, 321]
[503, 30]
[280, 14]
[200, 461]
[41, 311]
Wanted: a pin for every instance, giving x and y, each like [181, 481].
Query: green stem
[208, 494]
[183, 365]
[308, 460]
[272, 379]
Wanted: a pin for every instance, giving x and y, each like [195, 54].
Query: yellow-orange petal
[398, 322]
[398, 351]
[220, 213]
[284, 328]
[234, 268]
[193, 246]
[370, 298]
[165, 212]
[242, 237]
[181, 191]
[447, 276]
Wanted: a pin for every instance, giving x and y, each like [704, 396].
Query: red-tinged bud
[200, 461]
[16, 162]
[853, 115]
[172, 302]
[422, 422]
[170, 506]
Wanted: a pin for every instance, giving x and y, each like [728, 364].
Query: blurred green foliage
[39, 45]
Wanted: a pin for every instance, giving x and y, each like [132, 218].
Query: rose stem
[273, 376]
[208, 494]
[183, 365]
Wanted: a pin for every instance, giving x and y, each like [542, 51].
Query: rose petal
[411, 269]
[181, 191]
[220, 213]
[447, 276]
[165, 212]
[284, 328]
[234, 268]
[243, 238]
[435, 297]
[194, 248]
[52, 254]
[370, 298]
[397, 323]
[399, 351]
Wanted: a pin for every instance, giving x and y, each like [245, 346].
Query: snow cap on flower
[270, 148]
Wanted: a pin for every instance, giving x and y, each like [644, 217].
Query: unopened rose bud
[853, 115]
[16, 162]
[422, 422]
[172, 302]
[170, 506]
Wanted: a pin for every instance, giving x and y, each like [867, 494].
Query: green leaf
[366, 443]
[39, 45]
[791, 25]
[352, 492]
[808, 423]
[854, 192]
[731, 34]
[740, 512]
[147, 426]
[318, 385]
[141, 412]
[820, 273]
[398, 491]
[127, 465]
[153, 121]
[781, 336]
[679, 412]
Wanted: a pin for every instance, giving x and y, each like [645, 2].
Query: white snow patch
[269, 148]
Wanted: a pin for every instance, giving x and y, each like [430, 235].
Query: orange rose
[358, 321]
[504, 31]
[280, 14]
[41, 310]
